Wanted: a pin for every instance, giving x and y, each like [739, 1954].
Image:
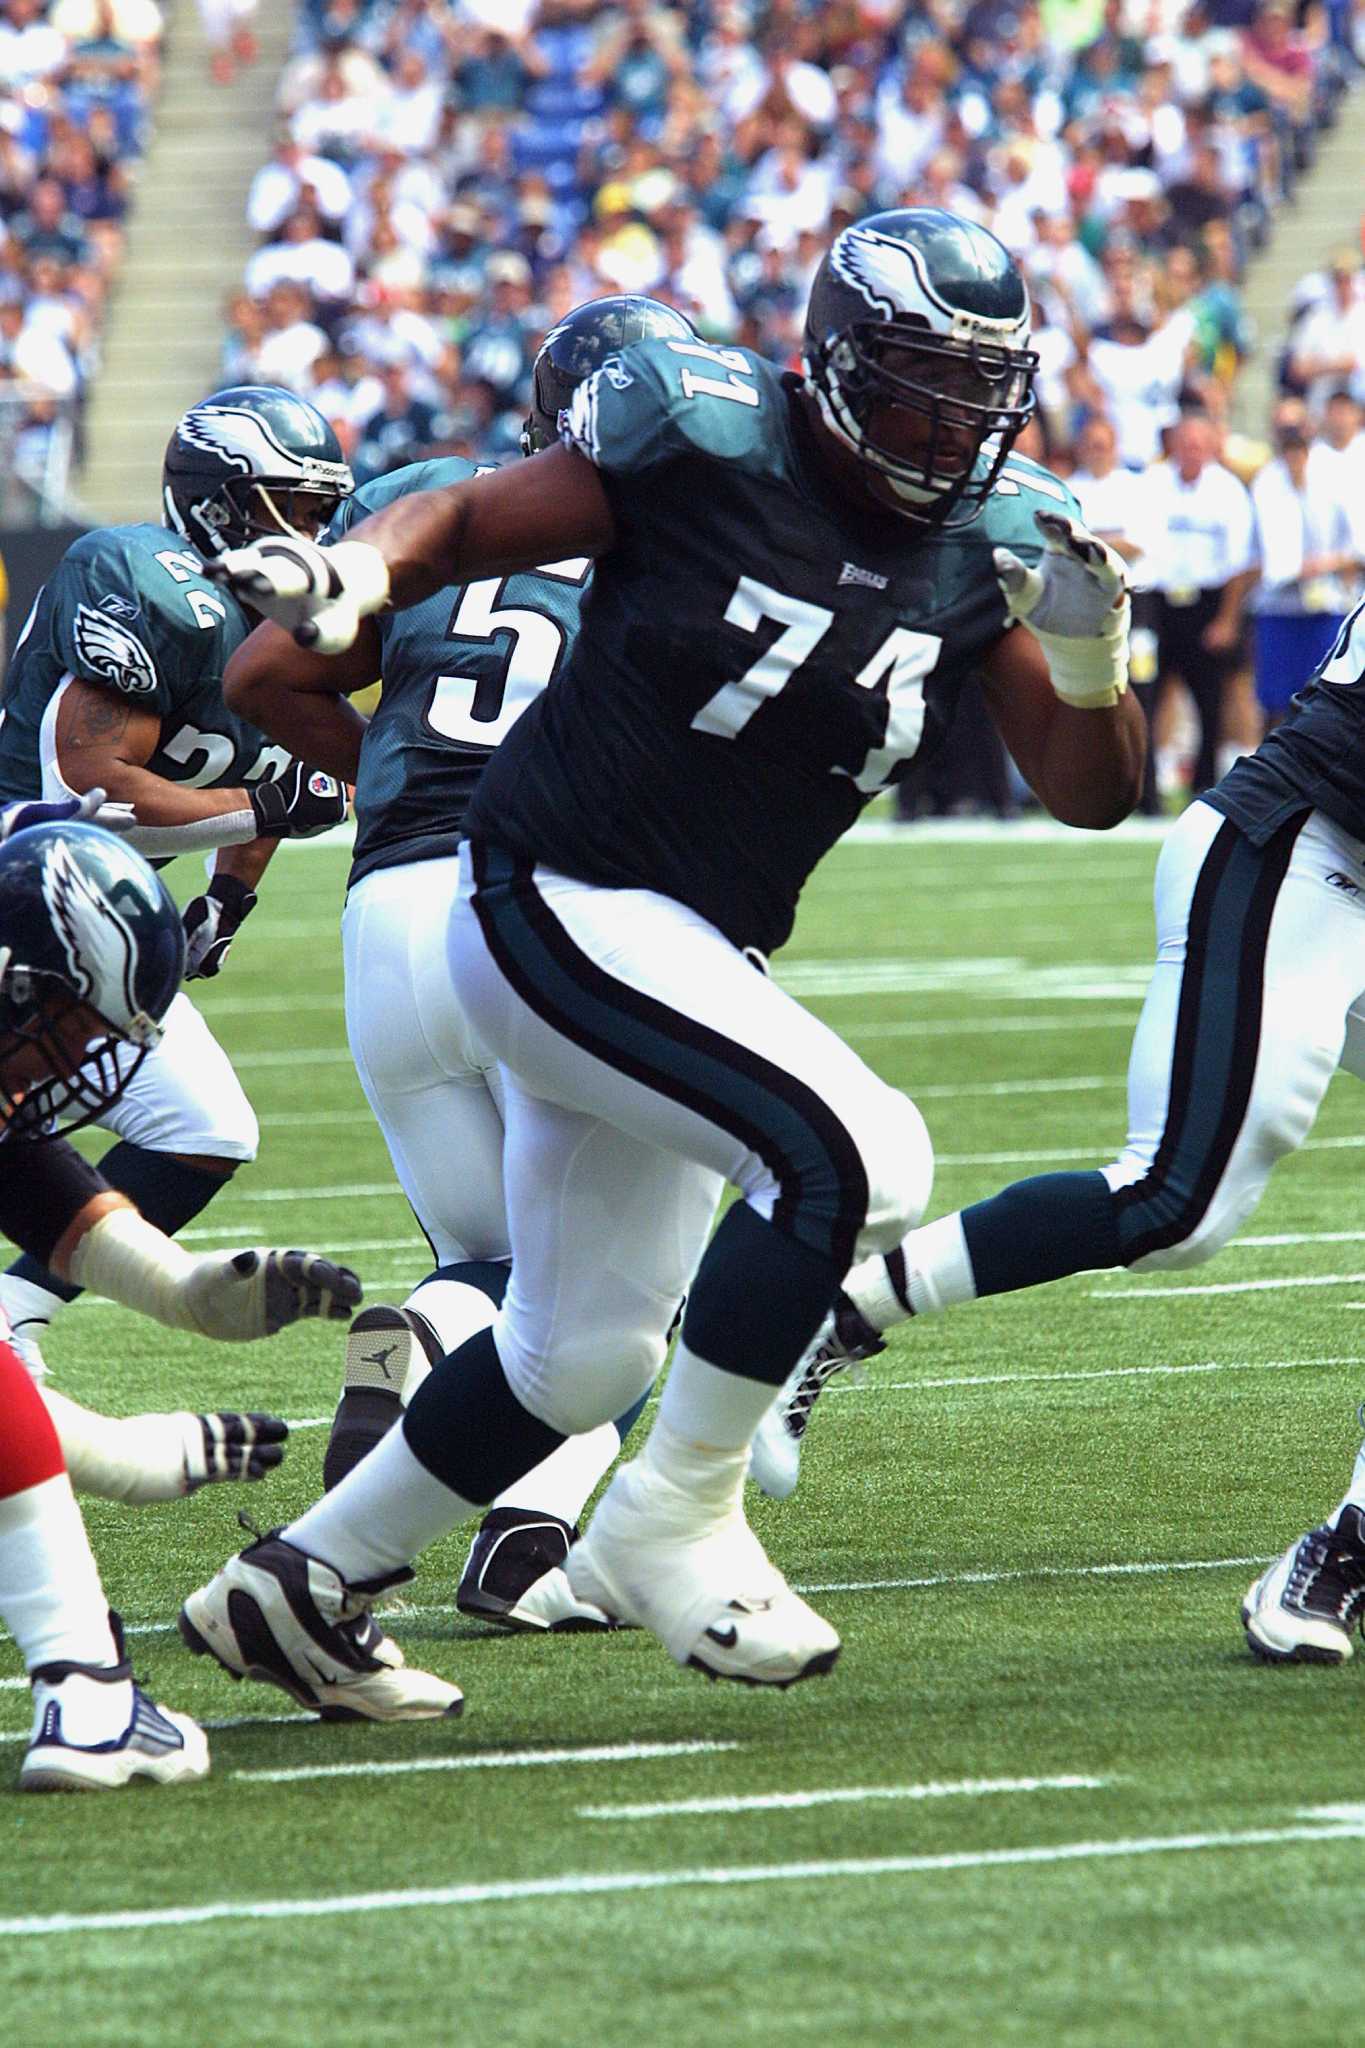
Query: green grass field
[1046, 1796]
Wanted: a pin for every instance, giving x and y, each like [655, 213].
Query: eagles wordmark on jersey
[459, 670]
[819, 653]
[128, 607]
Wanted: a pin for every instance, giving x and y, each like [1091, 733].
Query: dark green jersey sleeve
[133, 613]
[660, 400]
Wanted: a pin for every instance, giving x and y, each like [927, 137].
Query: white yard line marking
[230, 1721]
[1076, 1085]
[1141, 1570]
[984, 1027]
[492, 1760]
[1290, 1280]
[1103, 1372]
[583, 1884]
[845, 1795]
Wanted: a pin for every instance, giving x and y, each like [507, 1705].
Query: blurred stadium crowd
[451, 176]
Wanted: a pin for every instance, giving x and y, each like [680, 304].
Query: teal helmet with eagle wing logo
[92, 951]
[251, 461]
[917, 312]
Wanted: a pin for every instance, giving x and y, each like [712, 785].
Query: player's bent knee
[900, 1175]
[577, 1388]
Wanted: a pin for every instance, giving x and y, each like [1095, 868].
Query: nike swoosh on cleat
[727, 1638]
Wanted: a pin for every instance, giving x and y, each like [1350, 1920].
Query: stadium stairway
[188, 243]
[1325, 214]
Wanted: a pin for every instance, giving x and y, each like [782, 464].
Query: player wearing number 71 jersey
[793, 576]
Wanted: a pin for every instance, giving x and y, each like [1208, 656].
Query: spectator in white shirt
[1136, 371]
[1329, 347]
[31, 50]
[306, 256]
[1308, 561]
[1336, 459]
[1112, 501]
[291, 342]
[1201, 546]
[33, 355]
[290, 177]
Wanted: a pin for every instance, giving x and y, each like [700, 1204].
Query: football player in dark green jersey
[457, 671]
[792, 576]
[116, 680]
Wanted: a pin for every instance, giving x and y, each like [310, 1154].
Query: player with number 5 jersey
[792, 575]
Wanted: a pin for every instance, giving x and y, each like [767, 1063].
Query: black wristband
[271, 808]
[234, 895]
[43, 1188]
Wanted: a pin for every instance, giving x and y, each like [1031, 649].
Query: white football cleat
[843, 1339]
[277, 1614]
[144, 1740]
[1302, 1610]
[700, 1580]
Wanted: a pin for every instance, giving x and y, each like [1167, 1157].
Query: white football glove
[66, 810]
[234, 1296]
[1076, 603]
[240, 1295]
[320, 595]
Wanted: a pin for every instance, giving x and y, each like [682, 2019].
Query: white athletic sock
[700, 1441]
[1355, 1492]
[715, 1410]
[381, 1516]
[938, 1266]
[28, 1309]
[51, 1598]
[133, 1458]
[561, 1483]
[454, 1312]
[92, 1711]
[869, 1288]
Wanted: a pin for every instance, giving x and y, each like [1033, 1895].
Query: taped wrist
[129, 1260]
[198, 835]
[1092, 674]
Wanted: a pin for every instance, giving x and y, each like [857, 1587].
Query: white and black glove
[227, 1446]
[320, 595]
[298, 804]
[80, 810]
[233, 1296]
[212, 921]
[238, 1295]
[1076, 603]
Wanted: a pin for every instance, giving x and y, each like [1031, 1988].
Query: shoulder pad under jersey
[659, 400]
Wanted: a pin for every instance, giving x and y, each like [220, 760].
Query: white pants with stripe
[185, 1098]
[1296, 1006]
[612, 1180]
[436, 1096]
